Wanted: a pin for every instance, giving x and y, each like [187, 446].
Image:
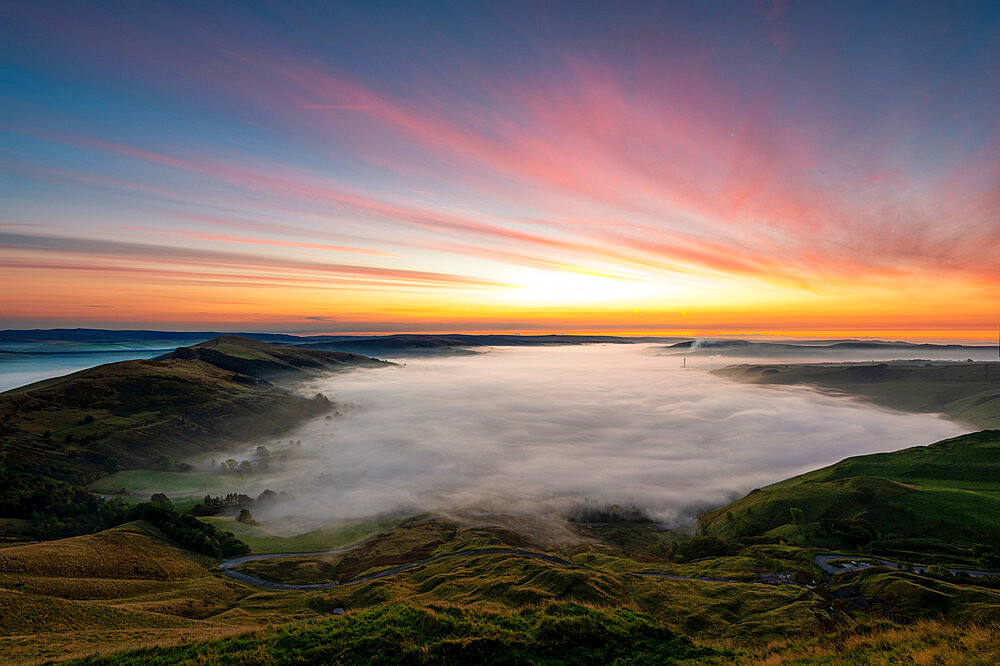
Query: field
[184, 489]
[325, 538]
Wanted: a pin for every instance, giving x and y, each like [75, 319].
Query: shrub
[704, 546]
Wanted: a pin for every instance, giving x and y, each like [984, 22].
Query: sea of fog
[542, 430]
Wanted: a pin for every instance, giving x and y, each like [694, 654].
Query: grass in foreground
[557, 633]
[923, 643]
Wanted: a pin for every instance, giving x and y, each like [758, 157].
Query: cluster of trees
[246, 517]
[167, 464]
[607, 513]
[188, 531]
[259, 460]
[234, 466]
[54, 500]
[213, 506]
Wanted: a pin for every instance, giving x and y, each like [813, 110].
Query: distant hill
[97, 335]
[77, 340]
[966, 392]
[459, 343]
[920, 498]
[211, 395]
[829, 349]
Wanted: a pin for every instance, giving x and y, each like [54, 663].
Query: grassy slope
[598, 576]
[213, 394]
[553, 634]
[948, 491]
[923, 642]
[127, 588]
[453, 636]
[966, 392]
[129, 580]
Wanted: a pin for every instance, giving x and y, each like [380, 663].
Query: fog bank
[541, 429]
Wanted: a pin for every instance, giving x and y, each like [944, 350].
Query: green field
[144, 482]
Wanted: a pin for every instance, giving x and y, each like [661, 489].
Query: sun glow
[542, 287]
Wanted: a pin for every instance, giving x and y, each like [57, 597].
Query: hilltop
[255, 358]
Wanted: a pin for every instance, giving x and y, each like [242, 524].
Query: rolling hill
[210, 395]
[943, 497]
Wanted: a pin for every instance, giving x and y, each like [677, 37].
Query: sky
[790, 168]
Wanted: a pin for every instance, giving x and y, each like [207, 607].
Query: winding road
[824, 563]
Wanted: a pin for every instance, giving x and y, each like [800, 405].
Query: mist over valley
[542, 430]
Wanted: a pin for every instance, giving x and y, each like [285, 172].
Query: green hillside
[941, 496]
[207, 396]
[58, 435]
[966, 392]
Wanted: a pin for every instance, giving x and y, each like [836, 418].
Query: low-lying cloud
[544, 429]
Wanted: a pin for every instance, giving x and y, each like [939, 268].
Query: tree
[262, 452]
[938, 571]
[798, 518]
[111, 465]
[165, 462]
[245, 467]
[246, 517]
[231, 464]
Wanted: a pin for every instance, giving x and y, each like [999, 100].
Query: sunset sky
[808, 169]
